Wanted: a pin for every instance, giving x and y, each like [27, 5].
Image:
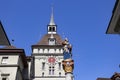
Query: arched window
[53, 28]
[59, 65]
[59, 73]
[50, 29]
[42, 73]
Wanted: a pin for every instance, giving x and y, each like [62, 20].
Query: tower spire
[52, 17]
[52, 27]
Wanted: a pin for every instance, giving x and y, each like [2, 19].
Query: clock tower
[47, 55]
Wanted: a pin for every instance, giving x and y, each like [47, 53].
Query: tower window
[43, 65]
[4, 60]
[53, 28]
[5, 76]
[59, 73]
[51, 70]
[50, 29]
[59, 65]
[43, 74]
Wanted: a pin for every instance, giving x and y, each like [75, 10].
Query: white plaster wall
[51, 50]
[44, 58]
[35, 50]
[38, 67]
[61, 51]
[12, 59]
[9, 70]
[20, 63]
[40, 50]
[45, 50]
[29, 67]
[57, 51]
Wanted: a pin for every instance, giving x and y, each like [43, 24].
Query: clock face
[51, 60]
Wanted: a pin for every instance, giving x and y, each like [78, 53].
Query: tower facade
[47, 55]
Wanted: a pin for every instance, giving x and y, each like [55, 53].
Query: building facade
[13, 64]
[47, 55]
[45, 62]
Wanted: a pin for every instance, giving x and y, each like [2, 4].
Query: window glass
[43, 65]
[59, 65]
[4, 60]
[4, 78]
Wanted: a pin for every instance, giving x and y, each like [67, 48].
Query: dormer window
[52, 41]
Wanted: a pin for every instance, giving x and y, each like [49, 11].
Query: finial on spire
[52, 18]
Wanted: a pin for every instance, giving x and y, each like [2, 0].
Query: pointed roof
[3, 37]
[52, 18]
[44, 40]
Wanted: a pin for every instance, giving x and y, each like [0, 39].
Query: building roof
[113, 26]
[44, 40]
[9, 47]
[114, 76]
[103, 79]
[3, 37]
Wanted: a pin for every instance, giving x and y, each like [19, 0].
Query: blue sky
[83, 22]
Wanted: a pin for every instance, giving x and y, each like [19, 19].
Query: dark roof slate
[3, 37]
[103, 79]
[9, 47]
[115, 76]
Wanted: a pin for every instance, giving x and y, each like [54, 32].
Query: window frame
[4, 60]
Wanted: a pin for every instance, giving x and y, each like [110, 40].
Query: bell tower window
[50, 29]
[53, 28]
